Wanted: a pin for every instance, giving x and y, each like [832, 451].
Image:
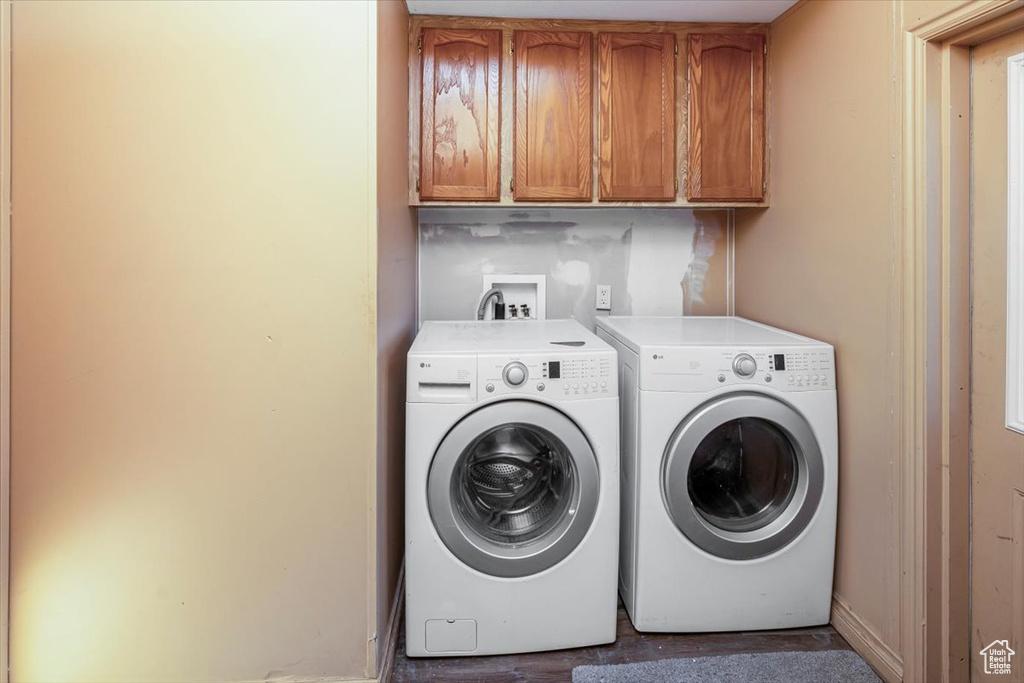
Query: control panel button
[489, 388]
[515, 374]
[767, 378]
[541, 387]
[744, 365]
[721, 378]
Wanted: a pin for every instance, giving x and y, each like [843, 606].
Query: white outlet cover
[520, 289]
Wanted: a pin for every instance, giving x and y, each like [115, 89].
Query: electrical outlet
[604, 297]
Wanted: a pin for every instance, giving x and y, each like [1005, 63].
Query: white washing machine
[512, 488]
[729, 474]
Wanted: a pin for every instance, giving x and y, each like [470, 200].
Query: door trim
[932, 316]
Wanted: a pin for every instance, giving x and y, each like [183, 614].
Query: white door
[997, 452]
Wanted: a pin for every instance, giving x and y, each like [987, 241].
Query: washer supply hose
[492, 292]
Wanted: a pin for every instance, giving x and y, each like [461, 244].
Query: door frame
[934, 321]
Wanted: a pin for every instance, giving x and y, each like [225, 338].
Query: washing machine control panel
[793, 368]
[557, 376]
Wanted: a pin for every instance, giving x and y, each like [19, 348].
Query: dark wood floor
[630, 646]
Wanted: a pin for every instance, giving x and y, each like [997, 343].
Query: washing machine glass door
[513, 488]
[742, 475]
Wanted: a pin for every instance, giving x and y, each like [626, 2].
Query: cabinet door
[553, 111]
[726, 118]
[460, 113]
[637, 123]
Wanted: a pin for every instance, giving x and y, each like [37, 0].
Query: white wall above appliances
[754, 11]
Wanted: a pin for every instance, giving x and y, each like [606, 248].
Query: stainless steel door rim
[513, 488]
[788, 511]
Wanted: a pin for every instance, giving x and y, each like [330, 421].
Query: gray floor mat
[839, 666]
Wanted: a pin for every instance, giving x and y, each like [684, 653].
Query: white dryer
[512, 488]
[729, 474]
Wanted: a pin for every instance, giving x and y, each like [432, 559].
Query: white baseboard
[883, 659]
[387, 662]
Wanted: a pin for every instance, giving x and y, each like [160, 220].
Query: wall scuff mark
[657, 261]
[706, 269]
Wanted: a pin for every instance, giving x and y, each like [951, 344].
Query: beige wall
[397, 240]
[915, 12]
[5, 327]
[820, 261]
[193, 336]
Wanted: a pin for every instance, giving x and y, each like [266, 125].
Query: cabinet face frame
[665, 190]
[418, 23]
[490, 40]
[524, 137]
[753, 158]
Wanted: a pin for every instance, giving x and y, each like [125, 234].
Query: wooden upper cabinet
[726, 118]
[553, 114]
[636, 121]
[460, 114]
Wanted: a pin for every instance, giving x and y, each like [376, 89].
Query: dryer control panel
[701, 369]
[557, 376]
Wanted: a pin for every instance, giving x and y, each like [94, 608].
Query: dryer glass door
[743, 475]
[513, 488]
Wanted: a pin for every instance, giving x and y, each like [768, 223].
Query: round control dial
[515, 374]
[744, 365]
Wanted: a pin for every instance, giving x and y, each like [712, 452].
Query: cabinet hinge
[419, 44]
[417, 184]
[511, 46]
[677, 48]
[766, 48]
[677, 185]
[511, 185]
[764, 188]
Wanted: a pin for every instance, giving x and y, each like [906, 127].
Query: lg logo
[424, 365]
[657, 357]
